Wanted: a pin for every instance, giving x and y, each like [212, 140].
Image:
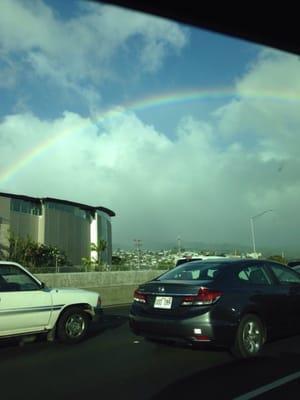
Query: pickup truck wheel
[72, 325]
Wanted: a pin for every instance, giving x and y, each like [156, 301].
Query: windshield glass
[156, 137]
[189, 136]
[129, 141]
[194, 271]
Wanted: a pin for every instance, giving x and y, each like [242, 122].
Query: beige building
[69, 226]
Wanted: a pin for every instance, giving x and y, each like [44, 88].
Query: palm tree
[100, 247]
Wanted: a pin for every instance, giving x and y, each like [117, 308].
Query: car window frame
[22, 271]
[269, 265]
[295, 264]
[249, 284]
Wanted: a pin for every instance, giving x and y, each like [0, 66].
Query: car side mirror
[43, 285]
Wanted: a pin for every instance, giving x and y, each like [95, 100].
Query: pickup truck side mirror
[43, 285]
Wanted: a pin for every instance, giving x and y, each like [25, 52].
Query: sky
[180, 131]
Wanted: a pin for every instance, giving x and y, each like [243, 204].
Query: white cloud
[8, 72]
[268, 75]
[204, 185]
[268, 104]
[81, 48]
[159, 188]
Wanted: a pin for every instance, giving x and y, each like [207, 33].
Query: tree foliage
[34, 255]
[95, 263]
[99, 248]
[278, 258]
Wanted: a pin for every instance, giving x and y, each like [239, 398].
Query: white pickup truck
[28, 307]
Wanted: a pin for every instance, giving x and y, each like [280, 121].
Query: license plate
[163, 302]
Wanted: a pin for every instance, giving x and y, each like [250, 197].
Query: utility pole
[56, 263]
[138, 244]
[179, 244]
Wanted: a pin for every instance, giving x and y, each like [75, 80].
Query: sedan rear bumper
[195, 330]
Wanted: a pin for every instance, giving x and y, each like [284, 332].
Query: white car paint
[33, 311]
[180, 260]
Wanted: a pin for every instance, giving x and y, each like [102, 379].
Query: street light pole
[252, 227]
[252, 234]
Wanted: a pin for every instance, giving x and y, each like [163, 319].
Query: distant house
[254, 255]
[67, 225]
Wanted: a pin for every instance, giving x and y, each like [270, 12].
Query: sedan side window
[284, 274]
[13, 279]
[254, 275]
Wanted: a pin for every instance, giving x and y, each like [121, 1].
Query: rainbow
[153, 101]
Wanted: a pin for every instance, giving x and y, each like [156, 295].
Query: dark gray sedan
[236, 304]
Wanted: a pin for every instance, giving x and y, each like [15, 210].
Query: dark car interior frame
[273, 25]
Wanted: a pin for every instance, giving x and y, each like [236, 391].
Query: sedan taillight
[139, 297]
[205, 296]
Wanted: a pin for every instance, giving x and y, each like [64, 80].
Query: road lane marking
[270, 386]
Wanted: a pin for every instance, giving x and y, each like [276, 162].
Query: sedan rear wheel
[250, 337]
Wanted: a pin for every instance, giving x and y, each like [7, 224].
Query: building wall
[24, 218]
[104, 232]
[4, 207]
[19, 218]
[94, 236]
[23, 225]
[41, 227]
[4, 223]
[109, 242]
[67, 228]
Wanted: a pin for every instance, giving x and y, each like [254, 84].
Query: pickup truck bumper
[98, 314]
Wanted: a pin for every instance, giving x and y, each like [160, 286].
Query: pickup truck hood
[73, 296]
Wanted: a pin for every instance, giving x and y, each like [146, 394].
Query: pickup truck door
[24, 305]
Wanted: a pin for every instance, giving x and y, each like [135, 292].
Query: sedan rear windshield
[194, 271]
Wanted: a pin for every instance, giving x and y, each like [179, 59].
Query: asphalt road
[112, 363]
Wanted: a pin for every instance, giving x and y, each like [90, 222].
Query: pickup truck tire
[72, 325]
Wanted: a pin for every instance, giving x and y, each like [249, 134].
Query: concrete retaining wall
[114, 287]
